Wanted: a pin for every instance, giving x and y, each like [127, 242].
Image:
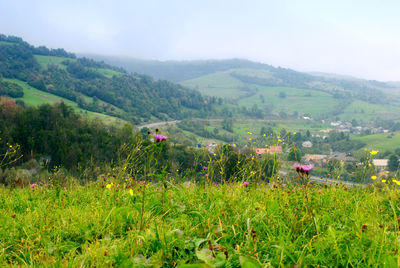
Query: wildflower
[307, 168]
[397, 182]
[319, 191]
[204, 168]
[383, 181]
[130, 192]
[108, 186]
[373, 177]
[373, 152]
[297, 167]
[246, 183]
[33, 185]
[159, 137]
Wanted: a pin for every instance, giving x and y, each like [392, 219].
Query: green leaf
[247, 262]
[205, 255]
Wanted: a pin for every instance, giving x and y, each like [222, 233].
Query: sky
[351, 37]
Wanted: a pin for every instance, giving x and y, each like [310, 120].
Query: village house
[275, 149]
[271, 150]
[261, 151]
[341, 157]
[211, 146]
[315, 158]
[307, 144]
[380, 164]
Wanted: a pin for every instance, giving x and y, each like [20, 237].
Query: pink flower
[159, 137]
[33, 185]
[319, 191]
[204, 168]
[307, 168]
[246, 183]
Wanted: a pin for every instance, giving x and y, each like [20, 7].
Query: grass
[222, 84]
[381, 142]
[4, 43]
[219, 84]
[223, 225]
[107, 72]
[300, 100]
[361, 110]
[46, 60]
[35, 97]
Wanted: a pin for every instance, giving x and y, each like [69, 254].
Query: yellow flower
[249, 132]
[249, 139]
[383, 181]
[369, 165]
[108, 186]
[373, 177]
[264, 135]
[130, 192]
[397, 182]
[294, 133]
[373, 152]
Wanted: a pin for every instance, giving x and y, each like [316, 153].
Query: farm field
[382, 142]
[130, 223]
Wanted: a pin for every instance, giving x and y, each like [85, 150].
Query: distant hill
[274, 89]
[176, 71]
[94, 86]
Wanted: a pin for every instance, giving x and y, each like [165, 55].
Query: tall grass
[222, 225]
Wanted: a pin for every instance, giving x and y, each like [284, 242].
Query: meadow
[136, 223]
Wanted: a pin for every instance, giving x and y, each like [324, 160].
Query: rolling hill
[37, 74]
[276, 90]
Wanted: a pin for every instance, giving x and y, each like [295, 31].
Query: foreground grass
[222, 225]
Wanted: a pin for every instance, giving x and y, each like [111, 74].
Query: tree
[393, 163]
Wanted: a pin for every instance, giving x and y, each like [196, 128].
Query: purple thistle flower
[246, 183]
[159, 137]
[297, 167]
[204, 168]
[307, 167]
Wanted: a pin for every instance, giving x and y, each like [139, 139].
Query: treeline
[56, 136]
[138, 96]
[41, 50]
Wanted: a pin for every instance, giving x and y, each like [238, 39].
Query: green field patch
[107, 72]
[35, 97]
[382, 142]
[220, 84]
[4, 43]
[295, 99]
[44, 61]
[362, 110]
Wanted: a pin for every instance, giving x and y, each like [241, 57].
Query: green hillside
[34, 97]
[92, 86]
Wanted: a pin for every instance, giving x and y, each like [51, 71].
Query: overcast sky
[352, 37]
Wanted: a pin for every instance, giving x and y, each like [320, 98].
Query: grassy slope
[46, 60]
[36, 97]
[94, 226]
[221, 84]
[381, 142]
